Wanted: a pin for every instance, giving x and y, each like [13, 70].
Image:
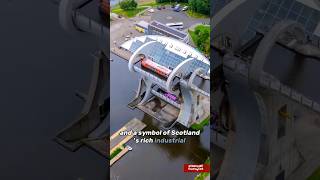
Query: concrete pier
[117, 141]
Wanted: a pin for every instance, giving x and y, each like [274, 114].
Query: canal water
[41, 67]
[148, 161]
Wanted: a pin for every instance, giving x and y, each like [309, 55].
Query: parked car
[185, 8]
[159, 7]
[163, 7]
[151, 10]
[177, 8]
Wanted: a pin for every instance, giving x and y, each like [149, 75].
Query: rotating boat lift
[189, 108]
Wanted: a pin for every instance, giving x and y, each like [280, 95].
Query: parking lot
[122, 29]
[168, 15]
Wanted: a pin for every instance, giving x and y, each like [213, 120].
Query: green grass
[154, 4]
[203, 175]
[115, 152]
[201, 38]
[315, 175]
[193, 14]
[202, 124]
[128, 13]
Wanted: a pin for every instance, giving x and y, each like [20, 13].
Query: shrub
[128, 4]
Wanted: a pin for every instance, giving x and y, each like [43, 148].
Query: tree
[201, 38]
[200, 6]
[128, 4]
[193, 5]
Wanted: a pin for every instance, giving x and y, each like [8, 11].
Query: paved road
[168, 16]
[123, 29]
[120, 29]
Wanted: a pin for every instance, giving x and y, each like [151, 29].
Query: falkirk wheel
[191, 104]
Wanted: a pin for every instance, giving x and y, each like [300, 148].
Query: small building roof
[170, 30]
[143, 24]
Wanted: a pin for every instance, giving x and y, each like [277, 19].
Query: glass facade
[272, 11]
[166, 58]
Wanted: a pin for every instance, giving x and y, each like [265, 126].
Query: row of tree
[128, 4]
[201, 38]
[200, 6]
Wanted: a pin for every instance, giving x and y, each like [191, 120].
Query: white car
[151, 10]
[129, 148]
[185, 8]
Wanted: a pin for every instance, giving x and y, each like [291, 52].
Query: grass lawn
[141, 6]
[315, 175]
[128, 13]
[144, 4]
[116, 152]
[155, 4]
[151, 3]
[201, 38]
[196, 15]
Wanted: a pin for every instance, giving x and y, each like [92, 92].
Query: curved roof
[168, 51]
